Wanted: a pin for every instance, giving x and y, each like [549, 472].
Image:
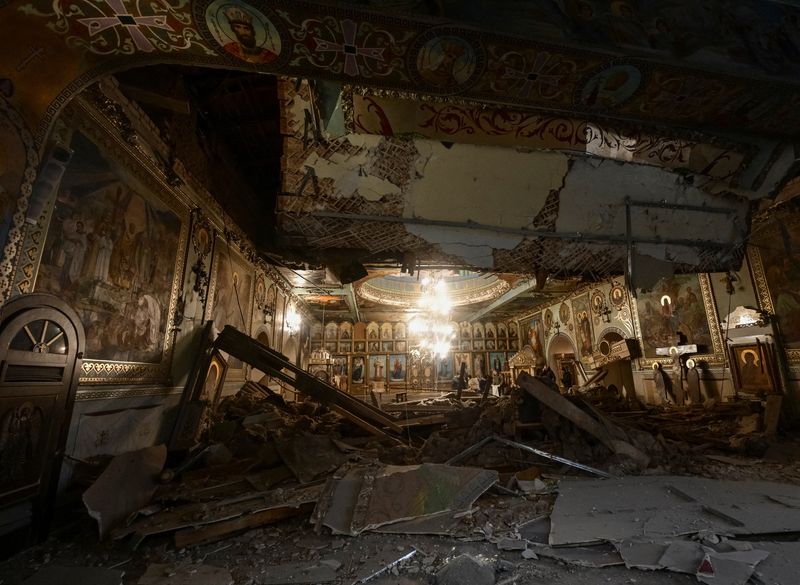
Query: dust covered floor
[291, 551]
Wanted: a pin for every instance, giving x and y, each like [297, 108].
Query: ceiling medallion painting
[405, 291]
[116, 27]
[243, 31]
[609, 87]
[446, 62]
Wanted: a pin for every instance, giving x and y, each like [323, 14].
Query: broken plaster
[591, 181]
[347, 170]
[487, 185]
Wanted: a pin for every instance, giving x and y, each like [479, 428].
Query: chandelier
[432, 326]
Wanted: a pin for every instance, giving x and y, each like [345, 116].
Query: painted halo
[609, 87]
[243, 31]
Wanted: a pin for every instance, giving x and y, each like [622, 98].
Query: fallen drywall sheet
[368, 498]
[663, 507]
[162, 574]
[598, 555]
[721, 564]
[56, 575]
[309, 456]
[782, 566]
[126, 485]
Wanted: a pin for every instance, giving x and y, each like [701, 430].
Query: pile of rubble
[495, 473]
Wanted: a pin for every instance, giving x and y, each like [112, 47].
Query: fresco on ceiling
[781, 267]
[120, 27]
[472, 124]
[243, 31]
[610, 87]
[755, 34]
[673, 313]
[309, 39]
[353, 47]
[446, 62]
[111, 254]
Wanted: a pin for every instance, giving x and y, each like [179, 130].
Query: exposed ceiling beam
[352, 301]
[518, 290]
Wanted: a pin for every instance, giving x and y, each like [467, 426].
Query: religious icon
[446, 62]
[610, 87]
[563, 313]
[617, 295]
[753, 367]
[397, 365]
[243, 31]
[358, 370]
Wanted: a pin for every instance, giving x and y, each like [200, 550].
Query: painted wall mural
[776, 268]
[583, 326]
[105, 255]
[674, 313]
[18, 166]
[232, 298]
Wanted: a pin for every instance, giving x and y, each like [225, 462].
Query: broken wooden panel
[602, 429]
[202, 514]
[126, 485]
[366, 499]
[218, 530]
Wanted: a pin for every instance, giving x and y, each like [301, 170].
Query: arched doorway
[619, 373]
[41, 345]
[561, 359]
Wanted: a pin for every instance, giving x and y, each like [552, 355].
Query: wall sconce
[293, 321]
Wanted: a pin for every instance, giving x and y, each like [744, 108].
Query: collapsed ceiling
[341, 185]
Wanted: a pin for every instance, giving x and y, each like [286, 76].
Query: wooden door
[41, 345]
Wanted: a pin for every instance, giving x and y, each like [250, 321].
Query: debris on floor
[496, 490]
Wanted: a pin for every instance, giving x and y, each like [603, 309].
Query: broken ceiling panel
[495, 126]
[499, 208]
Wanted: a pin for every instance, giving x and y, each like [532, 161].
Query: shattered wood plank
[212, 532]
[361, 423]
[194, 515]
[565, 408]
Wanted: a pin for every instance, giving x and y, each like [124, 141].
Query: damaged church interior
[399, 292]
